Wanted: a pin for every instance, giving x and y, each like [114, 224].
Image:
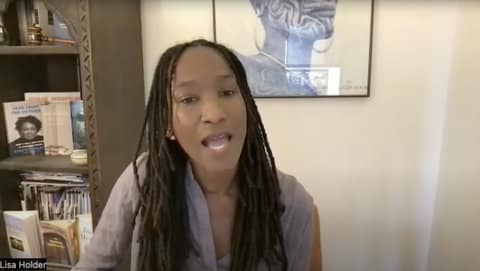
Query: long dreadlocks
[164, 234]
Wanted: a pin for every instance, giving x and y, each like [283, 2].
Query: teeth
[217, 142]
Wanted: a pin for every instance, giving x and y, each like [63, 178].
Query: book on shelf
[24, 128]
[57, 128]
[85, 231]
[53, 177]
[62, 115]
[23, 234]
[52, 97]
[78, 125]
[60, 240]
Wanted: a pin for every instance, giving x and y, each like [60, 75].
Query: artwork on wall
[299, 48]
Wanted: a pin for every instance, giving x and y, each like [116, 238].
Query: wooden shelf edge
[61, 164]
[39, 50]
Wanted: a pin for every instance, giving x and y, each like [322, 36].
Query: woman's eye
[188, 100]
[227, 92]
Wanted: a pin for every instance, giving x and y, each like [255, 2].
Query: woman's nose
[213, 111]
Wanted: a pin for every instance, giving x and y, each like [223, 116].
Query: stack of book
[60, 241]
[55, 222]
[45, 123]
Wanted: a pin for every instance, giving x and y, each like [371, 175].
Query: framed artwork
[299, 48]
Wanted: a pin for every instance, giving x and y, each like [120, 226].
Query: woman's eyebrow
[222, 77]
[192, 83]
[185, 84]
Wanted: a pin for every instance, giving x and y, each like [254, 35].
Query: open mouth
[217, 142]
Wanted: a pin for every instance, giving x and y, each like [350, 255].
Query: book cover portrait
[24, 128]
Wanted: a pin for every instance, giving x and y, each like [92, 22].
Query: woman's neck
[215, 183]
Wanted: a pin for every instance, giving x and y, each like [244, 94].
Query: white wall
[372, 164]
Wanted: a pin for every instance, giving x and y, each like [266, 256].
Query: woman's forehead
[28, 123]
[201, 62]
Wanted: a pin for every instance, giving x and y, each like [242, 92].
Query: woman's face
[208, 112]
[28, 130]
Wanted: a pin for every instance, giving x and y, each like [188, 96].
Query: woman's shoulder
[129, 172]
[297, 201]
[292, 190]
[126, 185]
[297, 221]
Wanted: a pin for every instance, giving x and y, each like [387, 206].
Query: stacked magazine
[55, 196]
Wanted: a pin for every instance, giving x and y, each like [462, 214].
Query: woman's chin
[219, 167]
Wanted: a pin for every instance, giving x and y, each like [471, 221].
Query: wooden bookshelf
[38, 50]
[108, 71]
[42, 163]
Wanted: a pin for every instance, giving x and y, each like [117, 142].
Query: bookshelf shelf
[38, 50]
[42, 163]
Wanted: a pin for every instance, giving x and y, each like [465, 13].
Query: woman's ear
[169, 134]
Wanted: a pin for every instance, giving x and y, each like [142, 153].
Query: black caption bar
[23, 264]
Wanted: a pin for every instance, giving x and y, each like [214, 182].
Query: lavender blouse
[115, 236]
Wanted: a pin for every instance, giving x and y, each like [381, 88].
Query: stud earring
[169, 134]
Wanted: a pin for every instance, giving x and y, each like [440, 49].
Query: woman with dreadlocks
[207, 194]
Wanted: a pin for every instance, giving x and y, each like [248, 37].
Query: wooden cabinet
[106, 66]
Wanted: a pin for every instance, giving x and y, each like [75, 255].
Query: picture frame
[299, 48]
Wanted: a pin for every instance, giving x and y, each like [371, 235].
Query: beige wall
[456, 231]
[371, 164]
